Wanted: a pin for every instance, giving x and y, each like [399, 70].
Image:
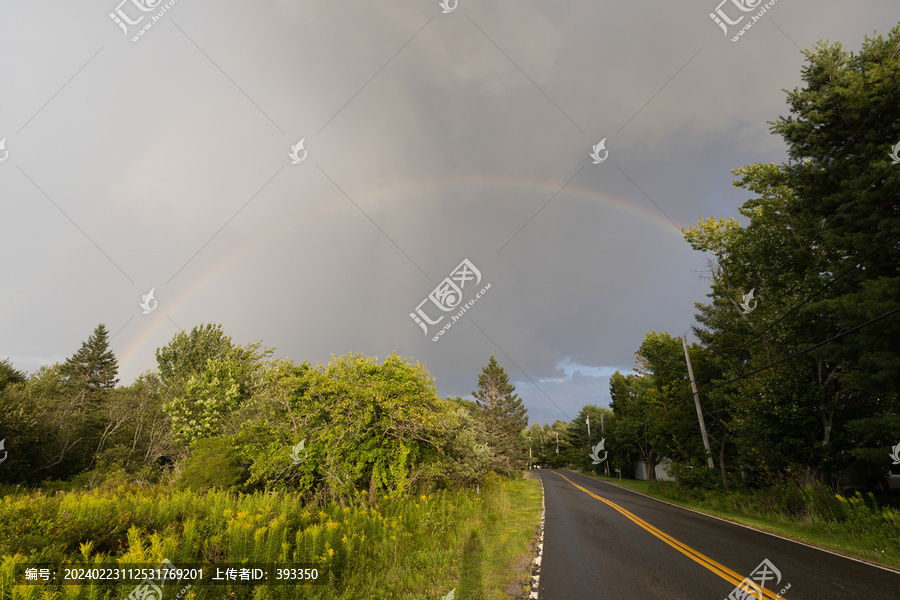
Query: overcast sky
[429, 138]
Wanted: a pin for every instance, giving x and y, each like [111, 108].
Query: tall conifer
[503, 414]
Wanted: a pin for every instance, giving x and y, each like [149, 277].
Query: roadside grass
[850, 525]
[498, 558]
[415, 547]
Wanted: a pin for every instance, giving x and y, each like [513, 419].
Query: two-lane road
[602, 542]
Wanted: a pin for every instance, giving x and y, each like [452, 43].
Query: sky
[445, 174]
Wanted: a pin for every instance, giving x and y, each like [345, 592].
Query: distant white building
[640, 470]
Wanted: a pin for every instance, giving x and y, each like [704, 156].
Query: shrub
[822, 503]
[214, 463]
[491, 481]
[694, 475]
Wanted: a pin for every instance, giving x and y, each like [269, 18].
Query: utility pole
[557, 442]
[687, 357]
[602, 433]
[588, 421]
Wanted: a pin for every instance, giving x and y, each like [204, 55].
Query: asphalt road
[602, 542]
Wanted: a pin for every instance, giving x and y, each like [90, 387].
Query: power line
[795, 308]
[819, 291]
[778, 362]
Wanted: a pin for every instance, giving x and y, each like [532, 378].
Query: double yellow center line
[722, 571]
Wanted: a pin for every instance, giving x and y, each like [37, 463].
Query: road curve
[603, 542]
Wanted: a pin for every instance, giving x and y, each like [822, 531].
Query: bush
[823, 504]
[214, 463]
[695, 476]
[491, 481]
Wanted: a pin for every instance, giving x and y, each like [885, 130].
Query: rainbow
[152, 326]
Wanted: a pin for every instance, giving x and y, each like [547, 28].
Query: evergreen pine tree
[92, 370]
[503, 415]
[9, 374]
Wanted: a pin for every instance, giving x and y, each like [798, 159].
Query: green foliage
[203, 395]
[22, 428]
[92, 369]
[469, 456]
[9, 375]
[695, 475]
[187, 354]
[850, 101]
[503, 415]
[820, 252]
[577, 449]
[653, 415]
[370, 429]
[207, 400]
[214, 463]
[491, 481]
[389, 546]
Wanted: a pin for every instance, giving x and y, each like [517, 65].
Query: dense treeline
[798, 360]
[224, 415]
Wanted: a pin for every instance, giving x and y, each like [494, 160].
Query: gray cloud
[431, 138]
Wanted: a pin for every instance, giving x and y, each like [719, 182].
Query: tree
[204, 378]
[785, 414]
[92, 370]
[368, 429]
[503, 415]
[540, 442]
[582, 443]
[137, 434]
[211, 395]
[187, 354]
[466, 448]
[821, 251]
[69, 425]
[23, 427]
[9, 375]
[72, 401]
[569, 451]
[633, 432]
[845, 122]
